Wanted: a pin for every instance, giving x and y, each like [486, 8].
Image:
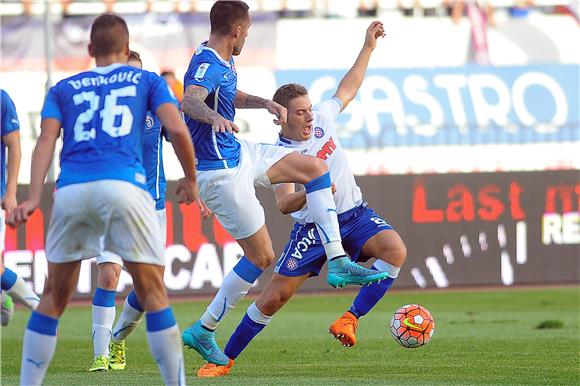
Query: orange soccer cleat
[212, 370]
[344, 329]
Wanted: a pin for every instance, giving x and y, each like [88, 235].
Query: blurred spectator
[174, 84]
[368, 8]
[521, 8]
[407, 7]
[458, 9]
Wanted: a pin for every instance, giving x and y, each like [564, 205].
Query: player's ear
[238, 31]
[91, 51]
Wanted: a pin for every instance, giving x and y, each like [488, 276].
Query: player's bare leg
[313, 173]
[162, 329]
[273, 297]
[103, 312]
[40, 336]
[391, 253]
[258, 255]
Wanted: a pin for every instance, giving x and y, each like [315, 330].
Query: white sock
[165, 344]
[232, 290]
[128, 321]
[20, 292]
[384, 266]
[38, 348]
[103, 319]
[322, 208]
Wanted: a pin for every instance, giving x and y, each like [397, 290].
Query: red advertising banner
[460, 230]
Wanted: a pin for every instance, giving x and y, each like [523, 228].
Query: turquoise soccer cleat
[203, 341]
[342, 271]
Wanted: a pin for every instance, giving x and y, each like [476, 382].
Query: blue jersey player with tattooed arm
[364, 233]
[101, 190]
[228, 168]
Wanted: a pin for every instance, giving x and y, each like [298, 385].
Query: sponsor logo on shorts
[318, 132]
[303, 245]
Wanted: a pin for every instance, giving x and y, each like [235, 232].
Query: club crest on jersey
[318, 132]
[201, 70]
[149, 122]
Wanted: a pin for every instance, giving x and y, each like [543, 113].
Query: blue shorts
[304, 253]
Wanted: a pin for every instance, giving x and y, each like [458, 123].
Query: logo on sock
[38, 364]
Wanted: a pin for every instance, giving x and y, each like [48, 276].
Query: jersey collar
[106, 69]
[291, 143]
[204, 47]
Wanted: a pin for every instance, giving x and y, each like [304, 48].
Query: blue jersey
[207, 69]
[8, 124]
[102, 113]
[153, 160]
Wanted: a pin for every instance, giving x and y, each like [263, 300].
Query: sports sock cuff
[104, 298]
[256, 315]
[134, 301]
[321, 182]
[381, 265]
[8, 278]
[247, 270]
[160, 320]
[42, 324]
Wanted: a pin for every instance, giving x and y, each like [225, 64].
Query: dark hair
[134, 55]
[109, 34]
[225, 14]
[288, 92]
[167, 73]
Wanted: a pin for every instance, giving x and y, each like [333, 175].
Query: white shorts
[119, 210]
[110, 257]
[230, 193]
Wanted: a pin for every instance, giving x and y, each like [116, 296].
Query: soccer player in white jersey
[364, 233]
[109, 265]
[12, 284]
[228, 168]
[101, 190]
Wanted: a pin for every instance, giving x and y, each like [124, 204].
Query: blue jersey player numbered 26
[228, 168]
[364, 233]
[101, 191]
[108, 343]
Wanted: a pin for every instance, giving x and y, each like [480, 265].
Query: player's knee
[394, 254]
[108, 279]
[265, 259]
[274, 301]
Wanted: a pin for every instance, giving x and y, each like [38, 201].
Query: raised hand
[375, 31]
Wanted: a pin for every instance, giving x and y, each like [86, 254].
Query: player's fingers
[235, 127]
[276, 122]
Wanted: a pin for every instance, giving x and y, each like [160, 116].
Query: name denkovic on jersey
[125, 76]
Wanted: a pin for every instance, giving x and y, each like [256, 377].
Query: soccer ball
[412, 326]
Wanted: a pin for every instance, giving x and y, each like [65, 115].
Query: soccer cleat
[101, 363]
[117, 361]
[343, 271]
[203, 341]
[212, 370]
[7, 308]
[344, 329]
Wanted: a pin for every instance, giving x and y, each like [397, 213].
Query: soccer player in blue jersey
[12, 284]
[102, 189]
[228, 168]
[364, 233]
[109, 265]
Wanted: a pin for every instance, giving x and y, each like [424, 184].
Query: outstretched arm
[12, 141]
[193, 105]
[351, 82]
[41, 158]
[247, 101]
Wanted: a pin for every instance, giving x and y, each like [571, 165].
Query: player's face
[300, 118]
[241, 38]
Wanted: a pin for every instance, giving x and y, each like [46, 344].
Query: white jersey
[324, 145]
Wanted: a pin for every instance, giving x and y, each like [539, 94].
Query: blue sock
[8, 278]
[369, 296]
[245, 332]
[134, 301]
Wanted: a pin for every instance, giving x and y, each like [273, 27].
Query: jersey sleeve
[9, 117]
[51, 107]
[203, 73]
[329, 109]
[159, 93]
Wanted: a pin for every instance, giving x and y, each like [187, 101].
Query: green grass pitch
[482, 337]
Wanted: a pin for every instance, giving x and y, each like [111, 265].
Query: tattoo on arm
[255, 102]
[193, 105]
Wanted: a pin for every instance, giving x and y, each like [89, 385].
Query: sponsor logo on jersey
[327, 149]
[318, 132]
